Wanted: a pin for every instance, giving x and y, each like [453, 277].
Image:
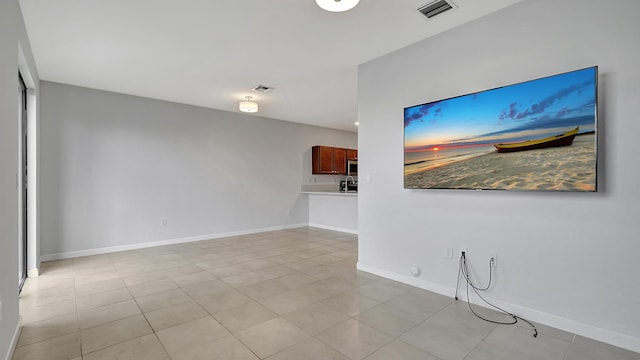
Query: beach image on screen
[535, 135]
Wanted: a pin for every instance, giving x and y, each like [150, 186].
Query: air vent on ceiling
[262, 88]
[435, 8]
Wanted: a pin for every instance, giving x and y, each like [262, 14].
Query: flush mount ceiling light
[248, 106]
[337, 5]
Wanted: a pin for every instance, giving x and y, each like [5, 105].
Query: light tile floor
[291, 294]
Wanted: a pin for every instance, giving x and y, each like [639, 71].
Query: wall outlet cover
[449, 253]
[415, 270]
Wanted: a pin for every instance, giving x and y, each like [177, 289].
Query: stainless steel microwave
[352, 167]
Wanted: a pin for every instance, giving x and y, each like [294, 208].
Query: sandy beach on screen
[562, 168]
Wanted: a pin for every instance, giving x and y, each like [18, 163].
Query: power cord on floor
[464, 270]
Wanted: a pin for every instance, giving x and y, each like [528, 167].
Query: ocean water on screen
[429, 159]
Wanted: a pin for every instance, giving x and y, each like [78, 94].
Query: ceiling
[211, 53]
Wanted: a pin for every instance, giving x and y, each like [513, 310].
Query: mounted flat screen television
[534, 135]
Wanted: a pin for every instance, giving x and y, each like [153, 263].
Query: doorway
[22, 181]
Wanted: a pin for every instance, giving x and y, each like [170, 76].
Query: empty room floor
[290, 294]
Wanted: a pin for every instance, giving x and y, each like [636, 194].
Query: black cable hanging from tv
[463, 269]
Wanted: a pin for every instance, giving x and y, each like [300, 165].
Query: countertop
[335, 193]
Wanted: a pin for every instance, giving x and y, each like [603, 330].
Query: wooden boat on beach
[564, 139]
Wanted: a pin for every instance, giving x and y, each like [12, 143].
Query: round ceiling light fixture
[248, 106]
[337, 5]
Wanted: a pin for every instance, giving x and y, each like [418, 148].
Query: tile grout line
[75, 297]
[566, 353]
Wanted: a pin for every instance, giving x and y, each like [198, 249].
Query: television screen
[534, 135]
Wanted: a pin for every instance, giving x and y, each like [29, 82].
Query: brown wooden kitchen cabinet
[352, 154]
[329, 160]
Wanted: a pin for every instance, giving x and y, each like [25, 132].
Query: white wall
[334, 212]
[566, 259]
[114, 165]
[12, 36]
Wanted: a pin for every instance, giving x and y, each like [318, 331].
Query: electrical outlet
[494, 260]
[163, 221]
[415, 270]
[449, 253]
[463, 250]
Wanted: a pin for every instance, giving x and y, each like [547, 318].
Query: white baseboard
[586, 330]
[14, 340]
[33, 272]
[106, 250]
[334, 228]
[409, 280]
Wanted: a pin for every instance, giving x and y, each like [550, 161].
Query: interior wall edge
[14, 339]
